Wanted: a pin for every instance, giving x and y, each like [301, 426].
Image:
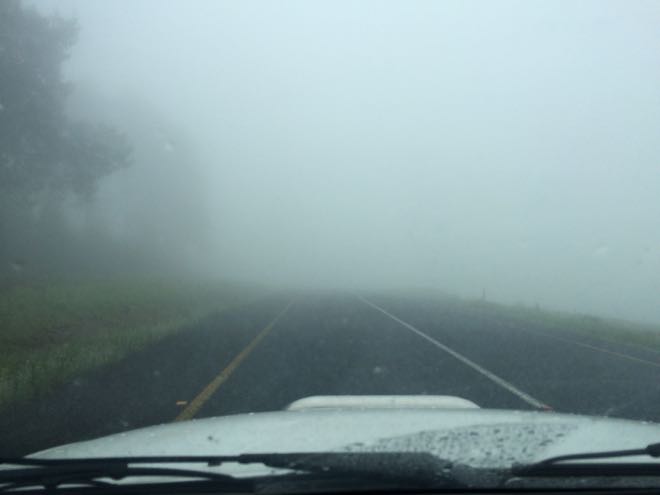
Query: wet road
[264, 356]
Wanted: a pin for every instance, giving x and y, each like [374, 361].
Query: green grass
[607, 329]
[610, 329]
[51, 331]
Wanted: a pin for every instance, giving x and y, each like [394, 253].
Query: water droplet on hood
[478, 446]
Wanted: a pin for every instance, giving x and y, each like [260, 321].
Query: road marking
[491, 376]
[194, 406]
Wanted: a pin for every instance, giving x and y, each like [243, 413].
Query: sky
[508, 147]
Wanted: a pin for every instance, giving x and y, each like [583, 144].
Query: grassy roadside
[51, 331]
[607, 329]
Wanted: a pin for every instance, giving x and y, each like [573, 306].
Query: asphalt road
[264, 356]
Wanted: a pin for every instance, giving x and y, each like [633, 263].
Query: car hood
[463, 434]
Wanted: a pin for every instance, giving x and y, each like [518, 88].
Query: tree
[40, 148]
[45, 156]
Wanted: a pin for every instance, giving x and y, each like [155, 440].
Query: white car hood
[477, 437]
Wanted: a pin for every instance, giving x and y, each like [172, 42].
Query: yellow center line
[194, 406]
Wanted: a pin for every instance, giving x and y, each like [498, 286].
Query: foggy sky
[505, 146]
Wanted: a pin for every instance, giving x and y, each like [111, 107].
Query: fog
[505, 147]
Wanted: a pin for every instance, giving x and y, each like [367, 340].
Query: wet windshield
[220, 207]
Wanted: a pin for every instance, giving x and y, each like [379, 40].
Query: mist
[509, 148]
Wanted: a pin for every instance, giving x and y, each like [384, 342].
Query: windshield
[213, 208]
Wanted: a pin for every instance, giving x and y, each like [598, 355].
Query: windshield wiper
[572, 465]
[54, 473]
[401, 469]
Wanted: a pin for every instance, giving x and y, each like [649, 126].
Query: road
[266, 355]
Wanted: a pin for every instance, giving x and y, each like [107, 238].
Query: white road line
[491, 376]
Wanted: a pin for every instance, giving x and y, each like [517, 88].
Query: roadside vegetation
[53, 331]
[87, 194]
[617, 331]
[608, 329]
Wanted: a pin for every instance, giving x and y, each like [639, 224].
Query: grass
[51, 331]
[607, 329]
